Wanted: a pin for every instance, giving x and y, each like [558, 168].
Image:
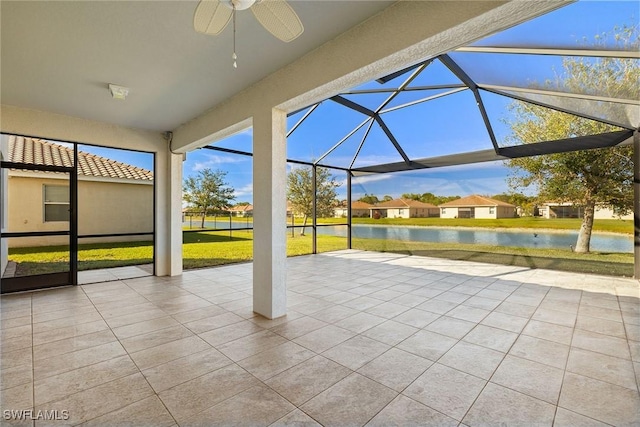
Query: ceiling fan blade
[278, 18]
[211, 17]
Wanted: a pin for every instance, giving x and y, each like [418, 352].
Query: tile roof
[476, 200]
[241, 208]
[405, 203]
[42, 152]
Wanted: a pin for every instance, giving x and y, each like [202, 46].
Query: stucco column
[269, 213]
[636, 204]
[168, 214]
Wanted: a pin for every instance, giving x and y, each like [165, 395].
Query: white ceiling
[59, 56]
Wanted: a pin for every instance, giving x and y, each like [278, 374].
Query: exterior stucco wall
[607, 213]
[103, 207]
[448, 212]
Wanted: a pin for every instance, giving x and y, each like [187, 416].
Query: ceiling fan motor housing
[238, 4]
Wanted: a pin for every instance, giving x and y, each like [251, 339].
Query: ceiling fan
[276, 16]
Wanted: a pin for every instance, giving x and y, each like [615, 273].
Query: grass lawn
[204, 249]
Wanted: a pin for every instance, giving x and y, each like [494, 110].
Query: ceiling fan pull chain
[234, 56]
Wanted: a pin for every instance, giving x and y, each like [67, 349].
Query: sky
[447, 125]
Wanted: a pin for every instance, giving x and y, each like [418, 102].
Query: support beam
[269, 213]
[349, 213]
[636, 204]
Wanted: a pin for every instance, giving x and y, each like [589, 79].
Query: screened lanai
[457, 108]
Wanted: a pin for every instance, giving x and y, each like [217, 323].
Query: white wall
[449, 212]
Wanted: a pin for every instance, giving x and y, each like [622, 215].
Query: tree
[369, 198]
[386, 198]
[300, 192]
[526, 203]
[590, 177]
[207, 191]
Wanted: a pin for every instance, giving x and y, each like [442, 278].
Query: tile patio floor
[370, 338]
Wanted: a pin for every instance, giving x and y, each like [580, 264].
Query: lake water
[526, 239]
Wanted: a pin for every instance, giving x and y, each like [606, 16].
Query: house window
[444, 210]
[400, 211]
[56, 203]
[492, 210]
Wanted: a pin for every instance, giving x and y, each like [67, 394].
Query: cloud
[246, 190]
[212, 160]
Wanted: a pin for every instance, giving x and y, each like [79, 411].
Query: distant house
[242, 211]
[358, 210]
[406, 208]
[552, 210]
[475, 206]
[113, 197]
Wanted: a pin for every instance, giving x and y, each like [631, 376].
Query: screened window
[56, 203]
[492, 210]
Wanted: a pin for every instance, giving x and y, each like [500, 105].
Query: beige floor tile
[152, 339]
[446, 390]
[454, 297]
[18, 375]
[515, 309]
[14, 358]
[298, 327]
[68, 345]
[601, 313]
[69, 332]
[97, 401]
[454, 328]
[602, 401]
[250, 345]
[472, 359]
[483, 303]
[395, 369]
[209, 323]
[230, 332]
[387, 310]
[352, 401]
[167, 352]
[276, 360]
[602, 367]
[17, 398]
[296, 418]
[144, 327]
[507, 322]
[270, 323]
[403, 411]
[324, 338]
[549, 331]
[62, 385]
[390, 332]
[16, 338]
[554, 316]
[356, 352]
[427, 344]
[531, 378]
[416, 318]
[134, 317]
[409, 300]
[184, 369]
[14, 313]
[601, 326]
[497, 405]
[192, 397]
[542, 351]
[468, 313]
[257, 406]
[599, 343]
[493, 338]
[306, 380]
[181, 304]
[565, 418]
[144, 413]
[334, 314]
[15, 322]
[201, 313]
[437, 306]
[68, 362]
[360, 322]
